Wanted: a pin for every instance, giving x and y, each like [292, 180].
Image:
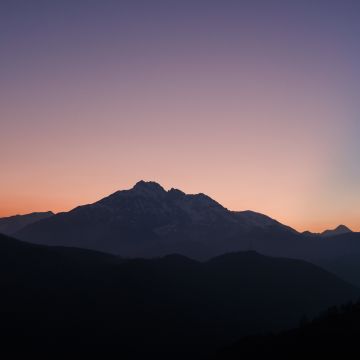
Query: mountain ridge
[339, 230]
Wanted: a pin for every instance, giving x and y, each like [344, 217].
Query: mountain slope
[83, 301]
[149, 221]
[335, 332]
[10, 225]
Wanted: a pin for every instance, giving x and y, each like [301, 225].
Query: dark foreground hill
[79, 301]
[335, 332]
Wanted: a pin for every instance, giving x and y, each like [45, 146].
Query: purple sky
[255, 103]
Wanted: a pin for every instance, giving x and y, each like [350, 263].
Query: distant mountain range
[148, 221]
[76, 300]
[12, 224]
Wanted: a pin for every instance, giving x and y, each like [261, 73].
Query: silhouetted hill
[10, 225]
[335, 333]
[340, 254]
[76, 300]
[340, 230]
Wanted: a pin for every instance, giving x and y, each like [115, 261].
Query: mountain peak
[176, 193]
[341, 229]
[148, 186]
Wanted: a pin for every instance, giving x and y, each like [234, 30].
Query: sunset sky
[255, 103]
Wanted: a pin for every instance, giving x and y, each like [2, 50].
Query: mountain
[334, 332]
[81, 301]
[12, 224]
[340, 230]
[150, 221]
[343, 257]
[339, 254]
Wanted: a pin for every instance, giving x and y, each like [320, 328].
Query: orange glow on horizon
[255, 106]
[25, 205]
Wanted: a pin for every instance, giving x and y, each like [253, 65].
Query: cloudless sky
[255, 103]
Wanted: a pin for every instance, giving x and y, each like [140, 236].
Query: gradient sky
[255, 103]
